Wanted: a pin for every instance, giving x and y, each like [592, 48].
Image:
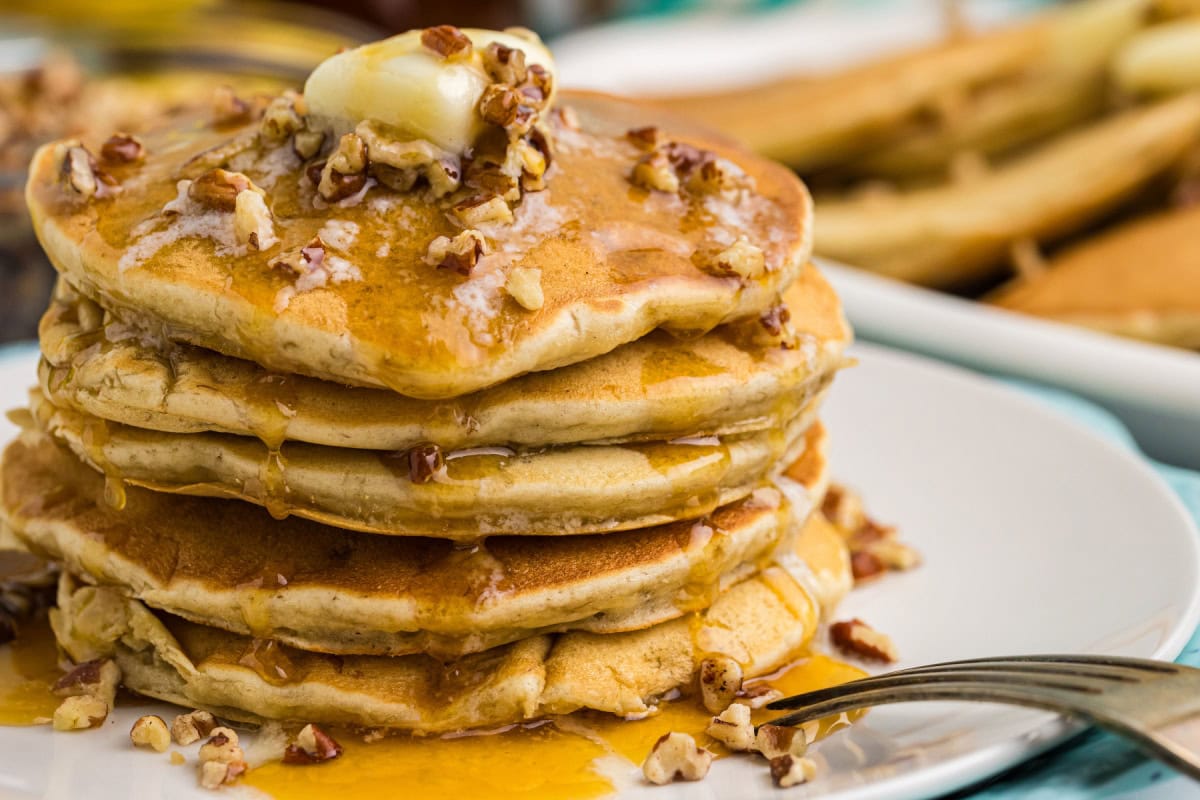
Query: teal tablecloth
[1098, 765]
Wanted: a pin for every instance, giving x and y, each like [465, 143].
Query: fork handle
[1178, 743]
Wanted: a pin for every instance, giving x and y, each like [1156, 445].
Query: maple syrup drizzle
[271, 406]
[95, 438]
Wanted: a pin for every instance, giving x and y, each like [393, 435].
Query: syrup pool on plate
[28, 669]
[571, 758]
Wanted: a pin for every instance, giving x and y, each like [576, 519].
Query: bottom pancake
[761, 622]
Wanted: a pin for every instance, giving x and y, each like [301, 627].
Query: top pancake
[616, 261]
[734, 380]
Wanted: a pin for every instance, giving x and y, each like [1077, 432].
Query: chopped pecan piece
[712, 175]
[80, 172]
[424, 462]
[150, 731]
[312, 746]
[524, 284]
[219, 189]
[508, 108]
[844, 508]
[303, 260]
[223, 745]
[192, 727]
[773, 741]
[122, 148]
[732, 728]
[654, 171]
[283, 117]
[533, 167]
[447, 41]
[222, 760]
[540, 80]
[742, 259]
[480, 209]
[775, 319]
[80, 712]
[789, 771]
[345, 172]
[858, 638]
[504, 65]
[215, 774]
[685, 157]
[892, 554]
[757, 695]
[676, 757]
[228, 108]
[459, 254]
[252, 221]
[865, 565]
[720, 681]
[566, 117]
[99, 678]
[306, 143]
[499, 105]
[398, 163]
[647, 138]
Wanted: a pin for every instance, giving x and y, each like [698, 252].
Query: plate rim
[1095, 355]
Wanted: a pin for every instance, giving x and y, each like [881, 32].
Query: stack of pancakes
[396, 497]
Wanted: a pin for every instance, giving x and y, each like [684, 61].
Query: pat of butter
[401, 83]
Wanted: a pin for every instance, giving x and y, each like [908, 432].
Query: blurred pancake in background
[997, 156]
[1140, 279]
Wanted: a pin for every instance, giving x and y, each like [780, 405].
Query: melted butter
[548, 762]
[28, 669]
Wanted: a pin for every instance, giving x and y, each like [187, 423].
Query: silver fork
[1155, 704]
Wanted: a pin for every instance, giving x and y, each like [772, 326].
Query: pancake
[1163, 59]
[1066, 84]
[761, 622]
[1140, 279]
[329, 590]
[957, 233]
[655, 388]
[992, 123]
[616, 261]
[551, 492]
[817, 122]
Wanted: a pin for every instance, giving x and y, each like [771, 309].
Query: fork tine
[984, 678]
[1116, 663]
[1082, 669]
[972, 690]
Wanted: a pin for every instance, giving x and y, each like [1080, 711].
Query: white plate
[1037, 536]
[1154, 389]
